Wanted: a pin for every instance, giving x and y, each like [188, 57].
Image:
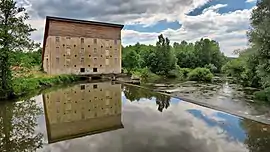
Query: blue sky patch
[158, 27]
[233, 5]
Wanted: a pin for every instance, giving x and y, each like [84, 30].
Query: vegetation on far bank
[185, 61]
[252, 67]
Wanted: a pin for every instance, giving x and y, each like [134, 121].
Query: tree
[14, 36]
[131, 61]
[165, 59]
[259, 36]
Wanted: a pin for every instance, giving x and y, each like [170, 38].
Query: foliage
[15, 36]
[131, 60]
[24, 85]
[203, 53]
[200, 74]
[260, 39]
[211, 67]
[263, 95]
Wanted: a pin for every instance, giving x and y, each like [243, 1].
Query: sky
[225, 21]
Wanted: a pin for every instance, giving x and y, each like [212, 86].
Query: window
[74, 45]
[95, 50]
[82, 51]
[74, 65]
[67, 62]
[57, 60]
[57, 51]
[68, 50]
[88, 45]
[100, 65]
[95, 41]
[94, 69]
[88, 65]
[82, 40]
[75, 55]
[107, 52]
[110, 46]
[89, 55]
[82, 70]
[115, 51]
[57, 39]
[101, 46]
[82, 87]
[82, 60]
[95, 86]
[107, 61]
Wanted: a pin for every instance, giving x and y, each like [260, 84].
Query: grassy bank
[24, 85]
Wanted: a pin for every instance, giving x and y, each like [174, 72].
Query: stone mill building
[81, 47]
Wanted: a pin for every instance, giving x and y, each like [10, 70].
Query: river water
[110, 117]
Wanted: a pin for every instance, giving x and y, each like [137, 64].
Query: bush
[200, 74]
[263, 95]
[211, 67]
[185, 71]
[174, 74]
[147, 75]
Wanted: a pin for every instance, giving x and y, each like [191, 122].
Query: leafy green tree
[15, 36]
[165, 59]
[131, 60]
[259, 36]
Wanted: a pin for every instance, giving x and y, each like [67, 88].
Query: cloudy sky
[225, 21]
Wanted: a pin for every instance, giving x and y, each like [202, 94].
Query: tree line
[169, 60]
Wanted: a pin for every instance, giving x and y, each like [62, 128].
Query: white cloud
[251, 1]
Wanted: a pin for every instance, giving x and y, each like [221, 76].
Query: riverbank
[26, 83]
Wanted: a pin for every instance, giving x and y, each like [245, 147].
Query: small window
[63, 45]
[68, 50]
[110, 46]
[95, 50]
[95, 59]
[82, 40]
[88, 45]
[100, 65]
[82, 60]
[82, 87]
[88, 65]
[115, 42]
[89, 55]
[101, 46]
[57, 39]
[74, 45]
[75, 55]
[94, 69]
[57, 51]
[101, 56]
[57, 60]
[74, 65]
[95, 86]
[95, 41]
[82, 51]
[82, 70]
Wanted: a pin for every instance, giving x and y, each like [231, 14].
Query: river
[110, 117]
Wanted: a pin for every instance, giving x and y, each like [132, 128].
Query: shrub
[185, 71]
[263, 95]
[175, 74]
[146, 74]
[211, 67]
[200, 74]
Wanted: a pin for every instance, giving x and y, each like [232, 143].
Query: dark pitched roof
[83, 21]
[50, 18]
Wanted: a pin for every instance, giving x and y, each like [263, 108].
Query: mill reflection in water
[82, 110]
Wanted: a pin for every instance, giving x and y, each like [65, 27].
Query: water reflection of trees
[135, 94]
[258, 136]
[18, 122]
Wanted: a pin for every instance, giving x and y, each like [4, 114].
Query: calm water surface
[106, 117]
